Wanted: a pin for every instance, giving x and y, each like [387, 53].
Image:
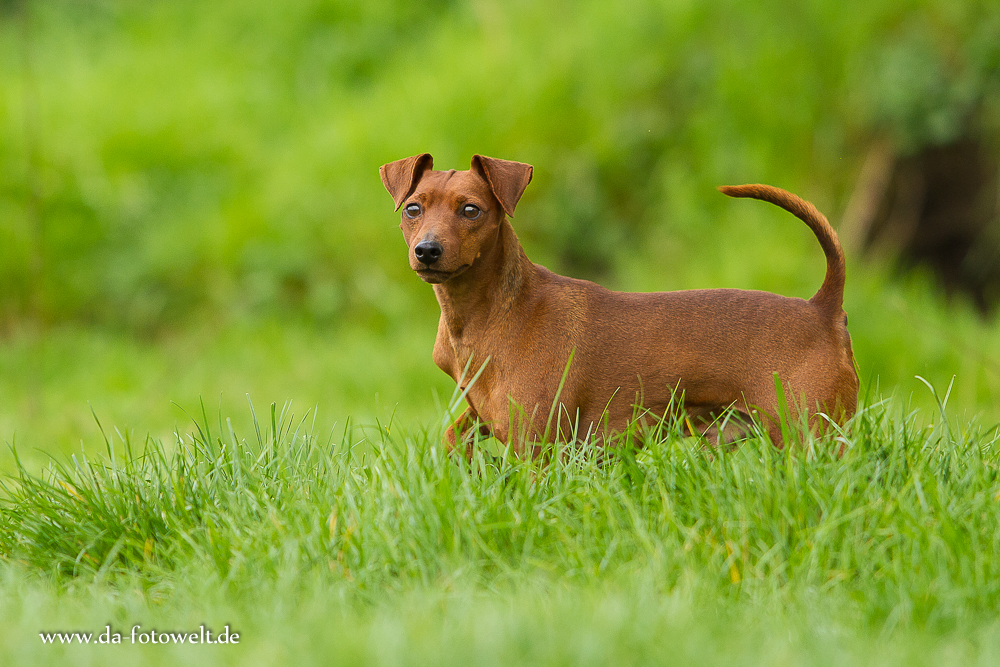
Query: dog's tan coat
[719, 348]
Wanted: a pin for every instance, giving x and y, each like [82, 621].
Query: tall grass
[905, 525]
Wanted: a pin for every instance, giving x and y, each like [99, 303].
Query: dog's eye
[471, 211]
[412, 210]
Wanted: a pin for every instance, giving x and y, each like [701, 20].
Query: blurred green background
[190, 206]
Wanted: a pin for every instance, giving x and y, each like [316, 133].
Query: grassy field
[215, 365]
[373, 547]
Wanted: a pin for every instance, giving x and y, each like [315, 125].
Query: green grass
[407, 554]
[52, 382]
[621, 622]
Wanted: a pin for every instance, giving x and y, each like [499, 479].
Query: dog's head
[450, 217]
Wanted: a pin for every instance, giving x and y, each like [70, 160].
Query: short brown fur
[718, 349]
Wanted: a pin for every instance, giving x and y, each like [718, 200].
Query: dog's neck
[492, 285]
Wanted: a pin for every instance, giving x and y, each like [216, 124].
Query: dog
[557, 357]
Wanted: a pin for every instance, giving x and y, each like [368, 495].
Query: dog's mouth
[436, 277]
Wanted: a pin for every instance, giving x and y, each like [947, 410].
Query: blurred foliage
[165, 160]
[938, 79]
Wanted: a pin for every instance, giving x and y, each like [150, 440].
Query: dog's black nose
[428, 252]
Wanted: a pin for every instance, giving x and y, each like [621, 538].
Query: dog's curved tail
[830, 297]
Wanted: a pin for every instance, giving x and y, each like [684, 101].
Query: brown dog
[608, 358]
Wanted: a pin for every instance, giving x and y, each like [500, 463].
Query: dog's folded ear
[401, 177]
[507, 179]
